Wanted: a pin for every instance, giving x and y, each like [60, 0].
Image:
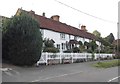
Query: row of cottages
[64, 36]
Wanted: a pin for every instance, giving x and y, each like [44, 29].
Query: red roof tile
[47, 23]
[50, 24]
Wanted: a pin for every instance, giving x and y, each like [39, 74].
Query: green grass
[107, 64]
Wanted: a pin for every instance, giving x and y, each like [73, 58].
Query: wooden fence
[55, 58]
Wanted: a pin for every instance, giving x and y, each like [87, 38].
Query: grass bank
[107, 64]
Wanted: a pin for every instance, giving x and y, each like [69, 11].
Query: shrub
[22, 41]
[76, 50]
[51, 49]
[49, 46]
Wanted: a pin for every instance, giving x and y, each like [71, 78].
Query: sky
[105, 9]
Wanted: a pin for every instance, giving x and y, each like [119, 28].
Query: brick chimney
[43, 14]
[83, 27]
[55, 17]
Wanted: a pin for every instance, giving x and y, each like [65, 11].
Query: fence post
[60, 58]
[95, 58]
[46, 54]
[72, 57]
[85, 56]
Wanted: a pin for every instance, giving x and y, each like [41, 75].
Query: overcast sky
[105, 9]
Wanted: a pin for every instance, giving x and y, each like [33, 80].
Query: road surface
[76, 72]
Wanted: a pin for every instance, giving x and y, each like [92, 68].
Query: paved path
[77, 72]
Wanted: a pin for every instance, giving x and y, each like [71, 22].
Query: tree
[104, 42]
[96, 33]
[93, 45]
[22, 40]
[110, 38]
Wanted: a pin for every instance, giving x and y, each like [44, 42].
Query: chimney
[83, 27]
[55, 17]
[43, 14]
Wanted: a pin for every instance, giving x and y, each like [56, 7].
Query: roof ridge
[50, 24]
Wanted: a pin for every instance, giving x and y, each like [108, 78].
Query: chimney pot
[83, 27]
[43, 14]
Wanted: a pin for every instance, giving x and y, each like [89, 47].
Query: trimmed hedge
[22, 40]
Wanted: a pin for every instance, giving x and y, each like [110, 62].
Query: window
[62, 36]
[58, 46]
[63, 46]
[69, 37]
[75, 37]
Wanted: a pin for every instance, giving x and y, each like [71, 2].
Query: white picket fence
[59, 57]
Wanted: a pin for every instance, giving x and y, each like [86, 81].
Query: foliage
[93, 45]
[22, 40]
[80, 43]
[48, 43]
[51, 49]
[96, 33]
[76, 50]
[49, 46]
[89, 51]
[104, 42]
[106, 47]
[82, 48]
[108, 64]
[110, 38]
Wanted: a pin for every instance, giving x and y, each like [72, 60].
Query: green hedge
[22, 40]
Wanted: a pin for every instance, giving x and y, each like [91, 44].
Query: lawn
[107, 64]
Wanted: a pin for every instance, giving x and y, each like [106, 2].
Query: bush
[51, 49]
[22, 40]
[49, 46]
[76, 50]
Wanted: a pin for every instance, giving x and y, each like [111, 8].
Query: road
[76, 72]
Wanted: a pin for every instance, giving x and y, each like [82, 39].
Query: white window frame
[62, 36]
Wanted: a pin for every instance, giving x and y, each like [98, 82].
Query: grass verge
[107, 64]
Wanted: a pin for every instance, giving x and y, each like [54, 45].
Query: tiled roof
[50, 24]
[47, 23]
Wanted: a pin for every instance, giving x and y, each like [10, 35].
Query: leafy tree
[104, 42]
[110, 38]
[96, 33]
[93, 45]
[22, 40]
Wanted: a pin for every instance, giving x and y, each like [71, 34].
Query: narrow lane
[76, 72]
